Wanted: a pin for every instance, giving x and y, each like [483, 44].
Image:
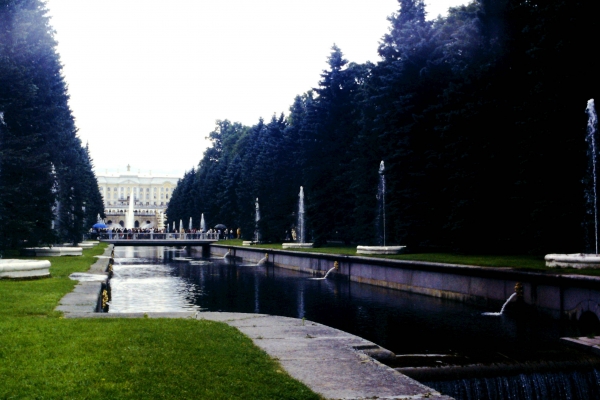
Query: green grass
[520, 262]
[43, 355]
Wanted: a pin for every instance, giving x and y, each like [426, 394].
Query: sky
[148, 79]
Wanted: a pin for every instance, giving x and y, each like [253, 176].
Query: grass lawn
[521, 262]
[43, 355]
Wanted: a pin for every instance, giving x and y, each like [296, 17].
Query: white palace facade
[151, 195]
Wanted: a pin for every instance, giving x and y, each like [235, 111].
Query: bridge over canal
[203, 240]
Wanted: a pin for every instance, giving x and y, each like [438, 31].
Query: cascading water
[256, 221]
[591, 192]
[323, 278]
[567, 385]
[263, 260]
[380, 225]
[301, 231]
[512, 296]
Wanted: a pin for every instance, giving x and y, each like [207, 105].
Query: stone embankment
[557, 295]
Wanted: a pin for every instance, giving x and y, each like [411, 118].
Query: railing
[157, 236]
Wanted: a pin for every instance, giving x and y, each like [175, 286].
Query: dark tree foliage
[478, 116]
[45, 173]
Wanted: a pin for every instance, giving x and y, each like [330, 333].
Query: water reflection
[160, 279]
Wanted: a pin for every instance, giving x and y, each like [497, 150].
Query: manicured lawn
[43, 355]
[521, 262]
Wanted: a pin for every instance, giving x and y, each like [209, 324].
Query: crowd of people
[154, 233]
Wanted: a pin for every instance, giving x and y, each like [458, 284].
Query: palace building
[151, 195]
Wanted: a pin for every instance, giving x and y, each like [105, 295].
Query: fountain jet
[382, 247]
[129, 219]
[591, 197]
[495, 314]
[301, 230]
[336, 265]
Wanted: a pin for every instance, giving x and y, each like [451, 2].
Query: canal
[161, 279]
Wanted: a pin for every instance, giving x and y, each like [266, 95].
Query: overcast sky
[148, 79]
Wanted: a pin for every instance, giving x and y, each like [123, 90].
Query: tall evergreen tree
[40, 151]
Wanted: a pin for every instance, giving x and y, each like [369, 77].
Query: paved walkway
[331, 362]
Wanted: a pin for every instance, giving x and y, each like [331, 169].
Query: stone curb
[84, 298]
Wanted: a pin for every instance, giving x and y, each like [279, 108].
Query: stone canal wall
[556, 295]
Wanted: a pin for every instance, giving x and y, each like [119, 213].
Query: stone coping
[297, 245]
[589, 344]
[84, 298]
[85, 245]
[24, 269]
[458, 269]
[578, 260]
[53, 251]
[380, 249]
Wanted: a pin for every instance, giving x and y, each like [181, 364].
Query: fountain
[301, 229]
[512, 296]
[190, 225]
[263, 260]
[256, 230]
[581, 260]
[202, 223]
[129, 224]
[382, 248]
[336, 266]
[229, 257]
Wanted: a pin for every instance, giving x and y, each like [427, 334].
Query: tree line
[48, 191]
[479, 117]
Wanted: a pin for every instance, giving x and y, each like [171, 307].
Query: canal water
[157, 279]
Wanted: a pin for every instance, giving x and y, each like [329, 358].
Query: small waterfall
[512, 296]
[591, 192]
[301, 231]
[325, 277]
[564, 385]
